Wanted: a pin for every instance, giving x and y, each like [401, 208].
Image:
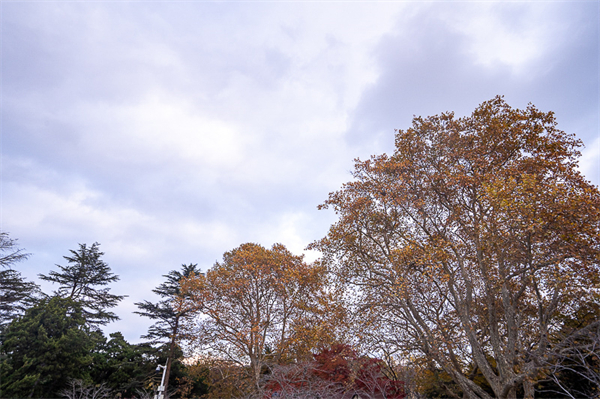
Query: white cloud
[589, 163]
[514, 35]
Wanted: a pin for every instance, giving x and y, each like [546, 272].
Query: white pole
[161, 388]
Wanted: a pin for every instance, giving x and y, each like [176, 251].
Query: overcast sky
[171, 132]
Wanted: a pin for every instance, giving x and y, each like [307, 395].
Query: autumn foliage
[470, 243]
[259, 307]
[336, 372]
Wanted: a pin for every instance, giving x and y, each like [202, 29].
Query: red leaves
[337, 372]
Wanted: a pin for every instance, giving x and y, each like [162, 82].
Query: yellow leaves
[479, 223]
[255, 297]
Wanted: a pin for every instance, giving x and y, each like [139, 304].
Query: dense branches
[79, 280]
[470, 241]
[168, 315]
[255, 305]
[16, 294]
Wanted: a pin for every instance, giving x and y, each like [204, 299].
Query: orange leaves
[470, 238]
[252, 301]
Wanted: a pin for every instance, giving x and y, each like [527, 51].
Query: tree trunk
[528, 389]
[170, 354]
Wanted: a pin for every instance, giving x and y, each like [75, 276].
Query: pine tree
[168, 317]
[43, 349]
[16, 294]
[13, 254]
[79, 281]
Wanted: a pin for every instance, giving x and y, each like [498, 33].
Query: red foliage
[334, 364]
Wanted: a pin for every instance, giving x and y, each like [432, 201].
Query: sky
[172, 132]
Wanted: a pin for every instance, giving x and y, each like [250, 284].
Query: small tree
[167, 314]
[79, 281]
[79, 389]
[250, 305]
[336, 372]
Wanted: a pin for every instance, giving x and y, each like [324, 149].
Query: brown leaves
[474, 234]
[258, 306]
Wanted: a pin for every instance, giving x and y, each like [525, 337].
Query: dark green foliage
[167, 315]
[123, 367]
[164, 312]
[16, 294]
[45, 348]
[79, 281]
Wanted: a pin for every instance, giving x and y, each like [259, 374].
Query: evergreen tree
[168, 317]
[123, 367]
[16, 294]
[45, 348]
[79, 281]
[10, 253]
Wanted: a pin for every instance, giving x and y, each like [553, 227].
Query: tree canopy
[253, 303]
[470, 242]
[79, 281]
[44, 348]
[464, 264]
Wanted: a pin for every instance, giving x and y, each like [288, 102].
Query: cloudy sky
[171, 132]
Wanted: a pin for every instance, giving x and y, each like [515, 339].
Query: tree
[79, 389]
[10, 253]
[336, 372]
[471, 243]
[168, 316]
[122, 367]
[45, 348]
[79, 280]
[574, 368]
[16, 294]
[250, 304]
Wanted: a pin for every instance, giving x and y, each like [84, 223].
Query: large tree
[254, 305]
[80, 281]
[471, 243]
[168, 315]
[44, 348]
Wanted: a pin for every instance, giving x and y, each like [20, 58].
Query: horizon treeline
[464, 265]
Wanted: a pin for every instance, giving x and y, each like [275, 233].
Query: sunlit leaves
[470, 240]
[258, 306]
